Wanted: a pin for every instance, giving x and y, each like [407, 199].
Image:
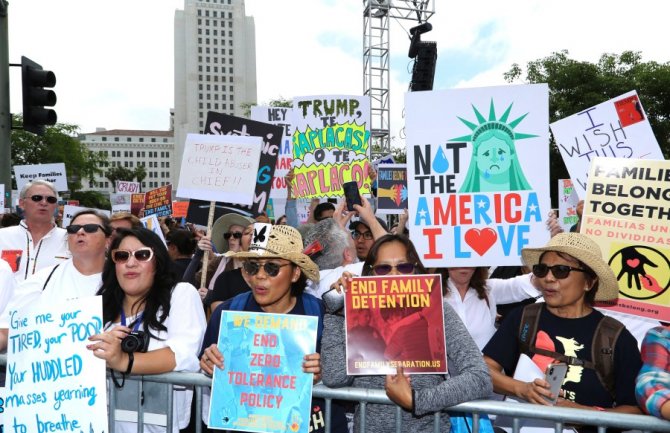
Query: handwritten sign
[70, 211]
[158, 201]
[53, 382]
[478, 173]
[263, 387]
[283, 117]
[391, 188]
[127, 186]
[331, 143]
[626, 212]
[120, 202]
[618, 128]
[567, 204]
[220, 168]
[54, 173]
[179, 209]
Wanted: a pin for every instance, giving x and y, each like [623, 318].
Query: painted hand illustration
[632, 264]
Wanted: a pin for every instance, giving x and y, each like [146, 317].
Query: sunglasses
[366, 235]
[141, 255]
[88, 228]
[236, 235]
[38, 198]
[271, 269]
[403, 268]
[558, 271]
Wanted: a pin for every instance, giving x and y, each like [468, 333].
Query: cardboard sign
[567, 204]
[618, 128]
[395, 321]
[626, 212]
[220, 168]
[263, 387]
[124, 186]
[54, 383]
[120, 202]
[158, 201]
[283, 117]
[478, 173]
[391, 188]
[70, 211]
[54, 173]
[331, 143]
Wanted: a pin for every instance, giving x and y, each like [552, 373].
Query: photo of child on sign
[479, 184]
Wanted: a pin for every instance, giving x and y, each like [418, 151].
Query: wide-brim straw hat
[584, 249]
[278, 242]
[223, 224]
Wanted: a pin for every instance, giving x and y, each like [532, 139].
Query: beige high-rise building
[214, 65]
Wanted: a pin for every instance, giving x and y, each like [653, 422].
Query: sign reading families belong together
[478, 173]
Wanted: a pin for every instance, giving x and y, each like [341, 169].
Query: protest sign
[54, 383]
[391, 188]
[220, 168]
[271, 135]
[198, 211]
[567, 204]
[280, 116]
[263, 387]
[395, 321]
[330, 145]
[54, 173]
[618, 128]
[151, 222]
[124, 186]
[387, 159]
[158, 201]
[70, 211]
[120, 202]
[626, 212]
[136, 203]
[478, 173]
[179, 209]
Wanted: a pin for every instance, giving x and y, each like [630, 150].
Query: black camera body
[135, 341]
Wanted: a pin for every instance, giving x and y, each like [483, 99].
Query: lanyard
[137, 322]
[39, 247]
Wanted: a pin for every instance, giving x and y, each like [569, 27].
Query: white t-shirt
[185, 325]
[328, 276]
[7, 284]
[50, 250]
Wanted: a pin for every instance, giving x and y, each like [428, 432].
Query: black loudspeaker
[423, 72]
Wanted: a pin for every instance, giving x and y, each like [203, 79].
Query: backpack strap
[602, 351]
[528, 326]
[49, 277]
[239, 302]
[313, 307]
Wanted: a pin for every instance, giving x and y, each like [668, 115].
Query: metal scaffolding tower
[377, 16]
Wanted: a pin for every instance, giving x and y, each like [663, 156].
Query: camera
[136, 341]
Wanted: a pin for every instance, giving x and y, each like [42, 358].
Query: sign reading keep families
[54, 173]
[627, 213]
[330, 145]
[478, 173]
[54, 383]
[263, 387]
[391, 188]
[618, 128]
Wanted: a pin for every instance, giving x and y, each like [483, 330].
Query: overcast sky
[114, 59]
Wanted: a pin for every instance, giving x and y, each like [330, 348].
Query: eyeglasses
[88, 228]
[356, 234]
[236, 235]
[558, 271]
[141, 255]
[403, 268]
[38, 198]
[271, 269]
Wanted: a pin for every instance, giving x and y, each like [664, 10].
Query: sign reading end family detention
[54, 383]
[262, 387]
[220, 168]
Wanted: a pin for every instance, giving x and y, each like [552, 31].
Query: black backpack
[602, 345]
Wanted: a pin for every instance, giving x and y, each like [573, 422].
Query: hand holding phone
[555, 375]
[351, 195]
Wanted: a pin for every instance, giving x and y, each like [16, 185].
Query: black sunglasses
[403, 268]
[236, 235]
[271, 269]
[141, 255]
[38, 198]
[558, 271]
[88, 228]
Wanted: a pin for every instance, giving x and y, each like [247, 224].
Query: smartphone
[351, 194]
[555, 375]
[333, 301]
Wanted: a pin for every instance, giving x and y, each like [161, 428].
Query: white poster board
[282, 116]
[54, 173]
[54, 383]
[124, 186]
[477, 173]
[220, 168]
[70, 211]
[618, 128]
[120, 202]
[151, 222]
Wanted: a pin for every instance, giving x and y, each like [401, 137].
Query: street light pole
[5, 114]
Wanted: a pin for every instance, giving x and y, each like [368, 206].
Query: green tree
[279, 102]
[140, 174]
[94, 199]
[59, 144]
[119, 173]
[576, 85]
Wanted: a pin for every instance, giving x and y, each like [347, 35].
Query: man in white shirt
[36, 243]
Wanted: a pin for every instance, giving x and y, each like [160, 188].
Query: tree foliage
[119, 173]
[59, 144]
[577, 85]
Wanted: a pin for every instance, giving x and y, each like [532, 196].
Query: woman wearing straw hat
[572, 276]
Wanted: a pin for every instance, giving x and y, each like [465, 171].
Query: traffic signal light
[35, 97]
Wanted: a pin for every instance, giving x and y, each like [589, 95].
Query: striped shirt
[652, 387]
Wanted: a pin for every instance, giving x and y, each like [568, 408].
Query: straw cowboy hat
[278, 242]
[222, 225]
[584, 249]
